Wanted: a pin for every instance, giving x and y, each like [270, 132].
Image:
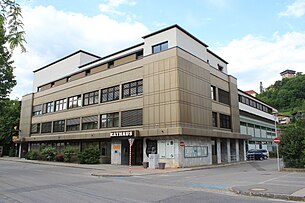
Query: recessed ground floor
[174, 151]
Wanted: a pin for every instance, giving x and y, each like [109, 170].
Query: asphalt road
[24, 182]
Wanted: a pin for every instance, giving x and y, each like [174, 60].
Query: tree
[10, 18]
[288, 95]
[10, 114]
[292, 145]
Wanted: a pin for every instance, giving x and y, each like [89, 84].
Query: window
[195, 151]
[132, 118]
[111, 64]
[110, 120]
[90, 98]
[106, 148]
[59, 126]
[89, 122]
[214, 119]
[159, 47]
[88, 72]
[213, 92]
[35, 128]
[223, 96]
[46, 127]
[220, 67]
[37, 110]
[132, 89]
[68, 79]
[74, 101]
[110, 94]
[73, 124]
[48, 107]
[225, 121]
[52, 84]
[139, 55]
[60, 104]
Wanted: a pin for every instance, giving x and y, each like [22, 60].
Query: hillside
[287, 95]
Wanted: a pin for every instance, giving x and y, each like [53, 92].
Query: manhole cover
[258, 189]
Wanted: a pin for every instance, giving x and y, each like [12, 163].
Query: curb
[268, 195]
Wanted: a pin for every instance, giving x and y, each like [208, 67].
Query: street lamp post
[277, 145]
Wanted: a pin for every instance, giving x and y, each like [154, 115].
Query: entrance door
[214, 151]
[136, 152]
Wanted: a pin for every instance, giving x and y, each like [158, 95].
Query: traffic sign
[276, 140]
[130, 140]
[182, 144]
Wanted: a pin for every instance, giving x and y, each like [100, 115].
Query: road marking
[278, 177]
[208, 186]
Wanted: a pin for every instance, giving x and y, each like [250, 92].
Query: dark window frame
[223, 96]
[132, 89]
[59, 126]
[91, 98]
[46, 127]
[214, 119]
[213, 93]
[224, 121]
[160, 47]
[60, 105]
[74, 101]
[110, 94]
[109, 120]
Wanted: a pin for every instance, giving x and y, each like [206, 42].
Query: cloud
[296, 9]
[110, 6]
[53, 34]
[253, 59]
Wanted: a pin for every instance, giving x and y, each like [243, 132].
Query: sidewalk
[294, 191]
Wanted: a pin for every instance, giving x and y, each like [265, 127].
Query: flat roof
[217, 56]
[80, 51]
[178, 27]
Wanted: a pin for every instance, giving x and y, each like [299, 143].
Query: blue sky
[258, 38]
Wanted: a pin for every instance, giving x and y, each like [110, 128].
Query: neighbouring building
[257, 120]
[251, 92]
[170, 93]
[288, 74]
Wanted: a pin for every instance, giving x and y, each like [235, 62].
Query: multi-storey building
[170, 93]
[257, 119]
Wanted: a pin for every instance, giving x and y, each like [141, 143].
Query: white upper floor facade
[167, 38]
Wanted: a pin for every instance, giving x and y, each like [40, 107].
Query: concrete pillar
[218, 148]
[228, 150]
[245, 153]
[237, 150]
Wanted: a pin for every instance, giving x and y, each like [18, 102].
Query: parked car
[256, 154]
[265, 152]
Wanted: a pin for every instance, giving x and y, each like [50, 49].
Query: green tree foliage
[287, 95]
[292, 145]
[10, 18]
[9, 118]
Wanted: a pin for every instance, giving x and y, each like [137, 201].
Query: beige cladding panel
[45, 87]
[99, 69]
[78, 76]
[60, 82]
[221, 108]
[161, 94]
[125, 59]
[195, 102]
[235, 117]
[219, 83]
[25, 115]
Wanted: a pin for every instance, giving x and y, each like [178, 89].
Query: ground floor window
[195, 151]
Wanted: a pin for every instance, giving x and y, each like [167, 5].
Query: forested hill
[287, 95]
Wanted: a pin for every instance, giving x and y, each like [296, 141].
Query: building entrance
[136, 152]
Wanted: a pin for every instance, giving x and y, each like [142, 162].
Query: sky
[259, 38]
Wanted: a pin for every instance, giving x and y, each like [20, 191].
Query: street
[26, 182]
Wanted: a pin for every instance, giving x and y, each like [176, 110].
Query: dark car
[254, 154]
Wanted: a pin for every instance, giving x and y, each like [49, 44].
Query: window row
[254, 104]
[109, 120]
[223, 96]
[224, 120]
[129, 89]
